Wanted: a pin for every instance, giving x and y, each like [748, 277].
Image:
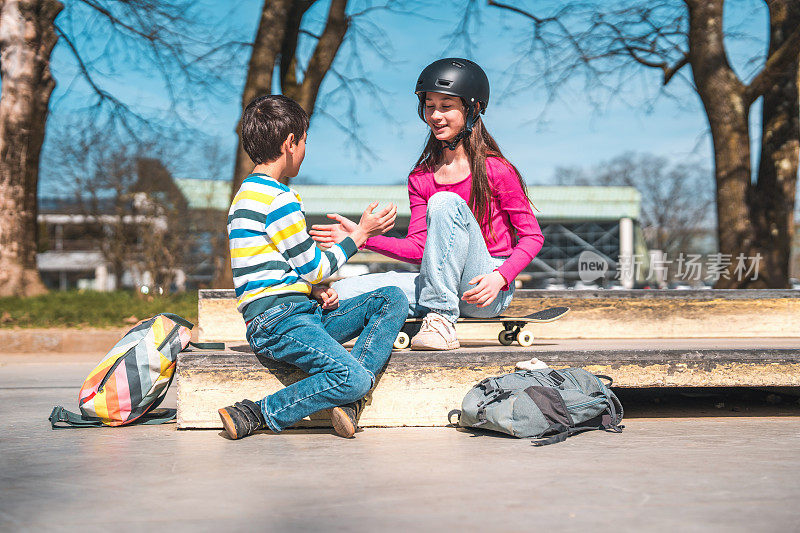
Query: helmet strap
[470, 122]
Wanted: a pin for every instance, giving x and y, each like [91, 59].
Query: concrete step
[596, 314]
[420, 388]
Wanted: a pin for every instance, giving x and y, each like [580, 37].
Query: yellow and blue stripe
[271, 250]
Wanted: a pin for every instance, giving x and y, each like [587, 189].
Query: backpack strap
[207, 345]
[563, 433]
[608, 378]
[178, 320]
[151, 419]
[60, 418]
[456, 412]
[199, 345]
[606, 423]
[499, 395]
[59, 415]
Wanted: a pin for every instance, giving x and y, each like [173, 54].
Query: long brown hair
[478, 145]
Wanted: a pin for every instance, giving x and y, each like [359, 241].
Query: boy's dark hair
[267, 121]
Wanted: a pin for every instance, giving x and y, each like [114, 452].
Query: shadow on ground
[685, 402]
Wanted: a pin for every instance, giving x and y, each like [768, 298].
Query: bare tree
[163, 209]
[608, 42]
[131, 208]
[275, 51]
[676, 199]
[160, 36]
[275, 48]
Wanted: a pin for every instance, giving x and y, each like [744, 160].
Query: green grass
[92, 309]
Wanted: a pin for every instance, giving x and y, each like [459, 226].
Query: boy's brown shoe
[242, 419]
[345, 418]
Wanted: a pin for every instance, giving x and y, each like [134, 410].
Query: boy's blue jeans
[455, 252]
[308, 337]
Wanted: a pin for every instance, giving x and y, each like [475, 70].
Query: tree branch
[308, 33]
[324, 54]
[777, 62]
[669, 72]
[526, 14]
[288, 61]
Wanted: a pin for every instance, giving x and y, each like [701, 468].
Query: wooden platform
[419, 388]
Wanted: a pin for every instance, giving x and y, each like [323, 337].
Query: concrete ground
[691, 461]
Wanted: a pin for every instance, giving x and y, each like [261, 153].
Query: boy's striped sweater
[272, 254]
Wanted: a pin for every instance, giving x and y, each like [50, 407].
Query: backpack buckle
[487, 386]
[59, 414]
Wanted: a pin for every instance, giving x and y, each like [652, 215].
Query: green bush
[92, 309]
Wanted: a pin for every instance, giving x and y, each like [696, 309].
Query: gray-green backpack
[548, 405]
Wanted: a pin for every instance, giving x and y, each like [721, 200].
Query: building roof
[71, 261]
[585, 203]
[205, 194]
[551, 202]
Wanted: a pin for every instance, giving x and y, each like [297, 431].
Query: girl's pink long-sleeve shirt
[510, 211]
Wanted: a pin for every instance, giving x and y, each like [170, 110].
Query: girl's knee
[444, 201]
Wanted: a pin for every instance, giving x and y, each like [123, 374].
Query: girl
[471, 229]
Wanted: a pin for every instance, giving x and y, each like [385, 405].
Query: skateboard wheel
[525, 338]
[402, 341]
[506, 337]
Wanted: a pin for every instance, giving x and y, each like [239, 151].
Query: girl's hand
[487, 288]
[327, 296]
[372, 224]
[327, 235]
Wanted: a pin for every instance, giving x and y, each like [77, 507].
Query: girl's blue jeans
[455, 252]
[308, 337]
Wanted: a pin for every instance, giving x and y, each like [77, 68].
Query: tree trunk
[305, 92]
[27, 37]
[266, 49]
[772, 198]
[723, 97]
[276, 43]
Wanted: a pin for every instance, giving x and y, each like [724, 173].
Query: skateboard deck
[512, 326]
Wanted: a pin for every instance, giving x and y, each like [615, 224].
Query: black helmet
[456, 77]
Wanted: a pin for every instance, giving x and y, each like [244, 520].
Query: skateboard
[512, 326]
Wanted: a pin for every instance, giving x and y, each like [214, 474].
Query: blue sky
[535, 136]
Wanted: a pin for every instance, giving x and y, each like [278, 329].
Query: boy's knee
[357, 384]
[444, 201]
[396, 298]
[396, 295]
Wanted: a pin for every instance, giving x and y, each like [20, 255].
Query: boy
[275, 267]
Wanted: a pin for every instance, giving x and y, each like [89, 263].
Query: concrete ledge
[419, 388]
[62, 340]
[597, 314]
[58, 340]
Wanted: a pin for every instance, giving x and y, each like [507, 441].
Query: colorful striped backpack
[133, 377]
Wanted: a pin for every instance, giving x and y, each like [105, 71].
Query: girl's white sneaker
[436, 333]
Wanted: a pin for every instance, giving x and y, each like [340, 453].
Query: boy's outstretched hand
[371, 224]
[327, 296]
[327, 235]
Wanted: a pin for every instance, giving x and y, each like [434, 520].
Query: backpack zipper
[169, 336]
[114, 367]
[585, 404]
